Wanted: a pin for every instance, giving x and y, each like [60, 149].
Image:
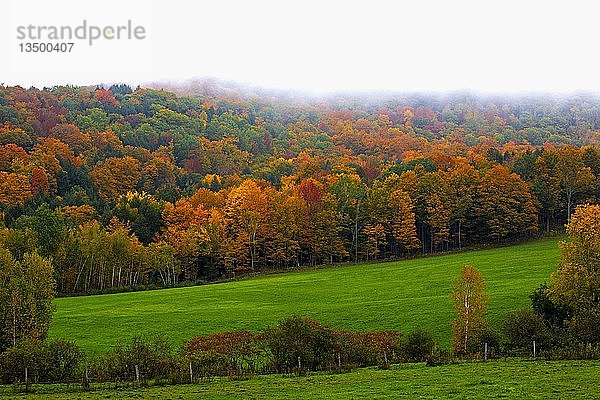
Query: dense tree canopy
[121, 187]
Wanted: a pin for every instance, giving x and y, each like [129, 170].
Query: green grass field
[499, 379]
[394, 295]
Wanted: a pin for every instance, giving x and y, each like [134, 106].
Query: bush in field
[228, 353]
[521, 328]
[439, 357]
[385, 346]
[554, 315]
[482, 336]
[585, 326]
[572, 351]
[60, 361]
[355, 349]
[152, 356]
[300, 344]
[55, 362]
[26, 354]
[418, 346]
[351, 350]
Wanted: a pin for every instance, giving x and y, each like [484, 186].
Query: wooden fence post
[86, 379]
[137, 374]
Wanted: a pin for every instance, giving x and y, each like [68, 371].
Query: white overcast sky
[320, 46]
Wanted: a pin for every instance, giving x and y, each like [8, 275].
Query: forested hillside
[122, 187]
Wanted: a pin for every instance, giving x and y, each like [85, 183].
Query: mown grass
[512, 379]
[393, 295]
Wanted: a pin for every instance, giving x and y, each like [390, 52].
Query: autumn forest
[117, 187]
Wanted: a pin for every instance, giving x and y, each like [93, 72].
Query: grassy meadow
[392, 295]
[513, 379]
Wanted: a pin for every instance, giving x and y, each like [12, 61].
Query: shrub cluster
[557, 333]
[141, 360]
[31, 361]
[299, 344]
[226, 354]
[296, 345]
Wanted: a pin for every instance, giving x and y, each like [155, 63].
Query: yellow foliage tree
[470, 304]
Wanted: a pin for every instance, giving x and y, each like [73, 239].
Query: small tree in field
[470, 304]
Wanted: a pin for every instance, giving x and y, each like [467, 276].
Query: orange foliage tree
[116, 176]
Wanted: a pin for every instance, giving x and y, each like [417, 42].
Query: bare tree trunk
[569, 205]
[80, 272]
[356, 231]
[252, 249]
[89, 275]
[431, 236]
[14, 321]
[467, 305]
[101, 284]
